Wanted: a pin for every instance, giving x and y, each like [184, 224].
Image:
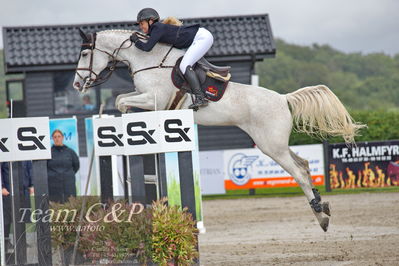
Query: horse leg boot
[195, 86]
[315, 203]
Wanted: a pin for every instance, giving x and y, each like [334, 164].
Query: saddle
[213, 79]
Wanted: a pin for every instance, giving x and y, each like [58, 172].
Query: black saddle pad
[213, 88]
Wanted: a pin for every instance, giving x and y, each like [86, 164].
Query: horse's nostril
[77, 84]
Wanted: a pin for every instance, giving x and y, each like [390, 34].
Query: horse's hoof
[324, 223]
[326, 208]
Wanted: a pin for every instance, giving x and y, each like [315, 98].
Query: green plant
[174, 235]
[119, 232]
[65, 220]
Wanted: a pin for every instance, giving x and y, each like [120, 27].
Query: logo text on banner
[108, 136]
[145, 133]
[24, 139]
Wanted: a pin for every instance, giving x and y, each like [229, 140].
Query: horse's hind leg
[305, 164]
[298, 168]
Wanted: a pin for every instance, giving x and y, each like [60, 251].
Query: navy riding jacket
[179, 36]
[5, 176]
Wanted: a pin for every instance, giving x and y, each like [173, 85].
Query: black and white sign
[145, 133]
[24, 139]
[158, 132]
[108, 136]
[177, 130]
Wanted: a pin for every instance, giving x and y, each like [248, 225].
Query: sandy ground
[364, 230]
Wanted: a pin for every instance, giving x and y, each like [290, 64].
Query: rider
[198, 40]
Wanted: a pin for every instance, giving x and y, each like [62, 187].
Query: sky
[364, 26]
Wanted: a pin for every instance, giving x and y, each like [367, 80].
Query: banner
[108, 136]
[367, 164]
[251, 169]
[158, 132]
[212, 177]
[94, 185]
[173, 178]
[23, 139]
[69, 128]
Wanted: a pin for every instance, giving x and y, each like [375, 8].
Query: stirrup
[198, 103]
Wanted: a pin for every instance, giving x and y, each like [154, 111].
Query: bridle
[97, 80]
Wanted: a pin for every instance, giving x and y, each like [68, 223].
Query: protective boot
[194, 83]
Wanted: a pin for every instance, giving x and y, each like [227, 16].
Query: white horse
[265, 115]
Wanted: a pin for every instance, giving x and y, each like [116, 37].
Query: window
[67, 100]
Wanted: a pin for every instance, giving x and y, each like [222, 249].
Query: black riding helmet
[147, 14]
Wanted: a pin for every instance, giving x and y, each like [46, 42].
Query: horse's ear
[83, 35]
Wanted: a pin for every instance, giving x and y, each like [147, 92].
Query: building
[47, 56]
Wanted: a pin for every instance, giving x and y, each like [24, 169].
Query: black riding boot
[194, 83]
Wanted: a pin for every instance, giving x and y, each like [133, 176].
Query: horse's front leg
[143, 101]
[120, 96]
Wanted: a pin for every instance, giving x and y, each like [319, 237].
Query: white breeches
[203, 41]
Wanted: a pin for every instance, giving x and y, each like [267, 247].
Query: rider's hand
[134, 38]
[5, 192]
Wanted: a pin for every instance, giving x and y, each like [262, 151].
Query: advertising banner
[69, 128]
[367, 164]
[158, 132]
[173, 178]
[23, 139]
[212, 177]
[94, 186]
[108, 136]
[251, 169]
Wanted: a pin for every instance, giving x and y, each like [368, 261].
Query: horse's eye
[84, 54]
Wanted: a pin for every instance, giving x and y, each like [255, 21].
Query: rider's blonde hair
[172, 21]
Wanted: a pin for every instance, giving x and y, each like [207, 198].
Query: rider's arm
[156, 34]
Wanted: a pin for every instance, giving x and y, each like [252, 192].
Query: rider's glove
[134, 38]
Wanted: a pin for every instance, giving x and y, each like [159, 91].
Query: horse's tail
[317, 111]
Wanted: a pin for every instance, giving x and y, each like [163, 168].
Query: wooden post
[187, 182]
[125, 176]
[106, 179]
[136, 165]
[326, 167]
[162, 181]
[40, 181]
[18, 223]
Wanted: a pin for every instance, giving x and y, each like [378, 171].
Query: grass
[292, 191]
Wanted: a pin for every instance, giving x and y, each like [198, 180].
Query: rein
[158, 66]
[98, 80]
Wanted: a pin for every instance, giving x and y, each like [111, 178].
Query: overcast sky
[347, 25]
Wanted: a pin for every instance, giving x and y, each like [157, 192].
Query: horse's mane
[117, 31]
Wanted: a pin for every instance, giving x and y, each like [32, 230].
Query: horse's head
[91, 62]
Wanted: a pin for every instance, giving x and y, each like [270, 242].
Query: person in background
[28, 184]
[61, 169]
[87, 105]
[5, 192]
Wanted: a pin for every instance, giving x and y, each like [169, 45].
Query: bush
[119, 232]
[382, 125]
[118, 237]
[174, 235]
[63, 223]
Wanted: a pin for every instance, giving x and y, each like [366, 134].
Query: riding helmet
[147, 14]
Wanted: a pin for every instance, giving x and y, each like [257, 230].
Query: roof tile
[60, 44]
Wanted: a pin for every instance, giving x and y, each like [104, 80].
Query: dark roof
[54, 47]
